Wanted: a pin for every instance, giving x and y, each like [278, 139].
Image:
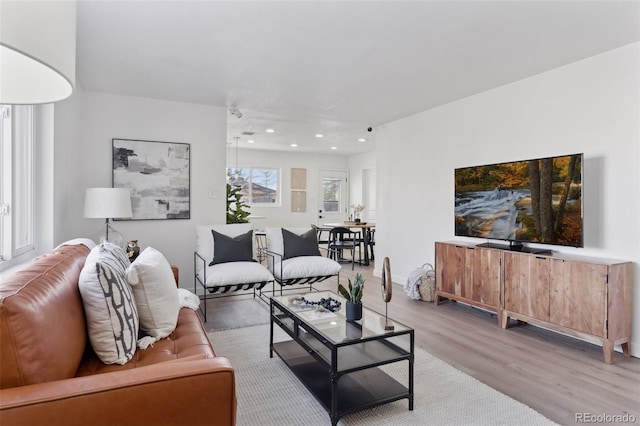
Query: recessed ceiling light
[270, 131]
[319, 135]
[250, 141]
[362, 140]
[334, 147]
[294, 145]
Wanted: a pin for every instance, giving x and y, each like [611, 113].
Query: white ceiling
[332, 67]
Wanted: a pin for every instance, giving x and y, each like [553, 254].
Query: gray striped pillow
[112, 317]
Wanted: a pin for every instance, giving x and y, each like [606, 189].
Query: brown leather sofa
[50, 375]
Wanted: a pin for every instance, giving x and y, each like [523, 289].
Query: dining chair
[343, 239]
[320, 233]
[372, 242]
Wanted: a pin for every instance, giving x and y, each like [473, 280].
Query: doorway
[333, 196]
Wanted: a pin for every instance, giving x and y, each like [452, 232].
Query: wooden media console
[583, 297]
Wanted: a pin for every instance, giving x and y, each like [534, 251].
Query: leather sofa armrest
[191, 391]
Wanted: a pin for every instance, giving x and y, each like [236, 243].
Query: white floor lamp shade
[37, 51]
[106, 203]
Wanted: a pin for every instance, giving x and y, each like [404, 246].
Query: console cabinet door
[471, 274]
[482, 277]
[578, 296]
[526, 285]
[450, 269]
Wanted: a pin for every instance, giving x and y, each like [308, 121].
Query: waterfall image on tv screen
[537, 200]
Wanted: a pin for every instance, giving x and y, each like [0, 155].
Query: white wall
[591, 106]
[282, 215]
[85, 125]
[68, 170]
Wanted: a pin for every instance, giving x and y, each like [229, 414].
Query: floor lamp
[106, 203]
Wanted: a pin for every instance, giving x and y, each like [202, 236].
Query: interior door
[332, 199]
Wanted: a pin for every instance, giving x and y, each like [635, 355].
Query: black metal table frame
[330, 368]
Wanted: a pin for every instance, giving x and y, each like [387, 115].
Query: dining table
[366, 228]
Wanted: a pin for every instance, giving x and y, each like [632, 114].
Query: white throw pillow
[112, 318]
[237, 273]
[306, 266]
[155, 292]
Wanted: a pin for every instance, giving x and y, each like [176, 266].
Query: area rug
[235, 312]
[270, 395]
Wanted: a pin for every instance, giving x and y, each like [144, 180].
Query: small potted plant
[354, 297]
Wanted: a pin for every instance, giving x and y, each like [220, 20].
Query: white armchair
[224, 262]
[292, 260]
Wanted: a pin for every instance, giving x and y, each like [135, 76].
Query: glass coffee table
[337, 360]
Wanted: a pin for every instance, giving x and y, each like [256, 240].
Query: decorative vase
[354, 311]
[133, 250]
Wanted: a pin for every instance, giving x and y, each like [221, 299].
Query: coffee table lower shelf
[357, 390]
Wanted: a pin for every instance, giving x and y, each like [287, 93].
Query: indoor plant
[236, 212]
[354, 297]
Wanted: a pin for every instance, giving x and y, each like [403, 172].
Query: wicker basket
[427, 286]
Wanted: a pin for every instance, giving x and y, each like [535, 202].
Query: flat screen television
[529, 201]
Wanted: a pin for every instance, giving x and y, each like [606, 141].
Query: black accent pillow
[228, 249]
[300, 245]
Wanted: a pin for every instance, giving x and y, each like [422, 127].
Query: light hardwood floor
[556, 375]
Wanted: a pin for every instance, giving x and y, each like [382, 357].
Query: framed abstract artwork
[158, 176]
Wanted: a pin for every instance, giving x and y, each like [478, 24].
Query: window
[259, 185]
[16, 180]
[332, 194]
